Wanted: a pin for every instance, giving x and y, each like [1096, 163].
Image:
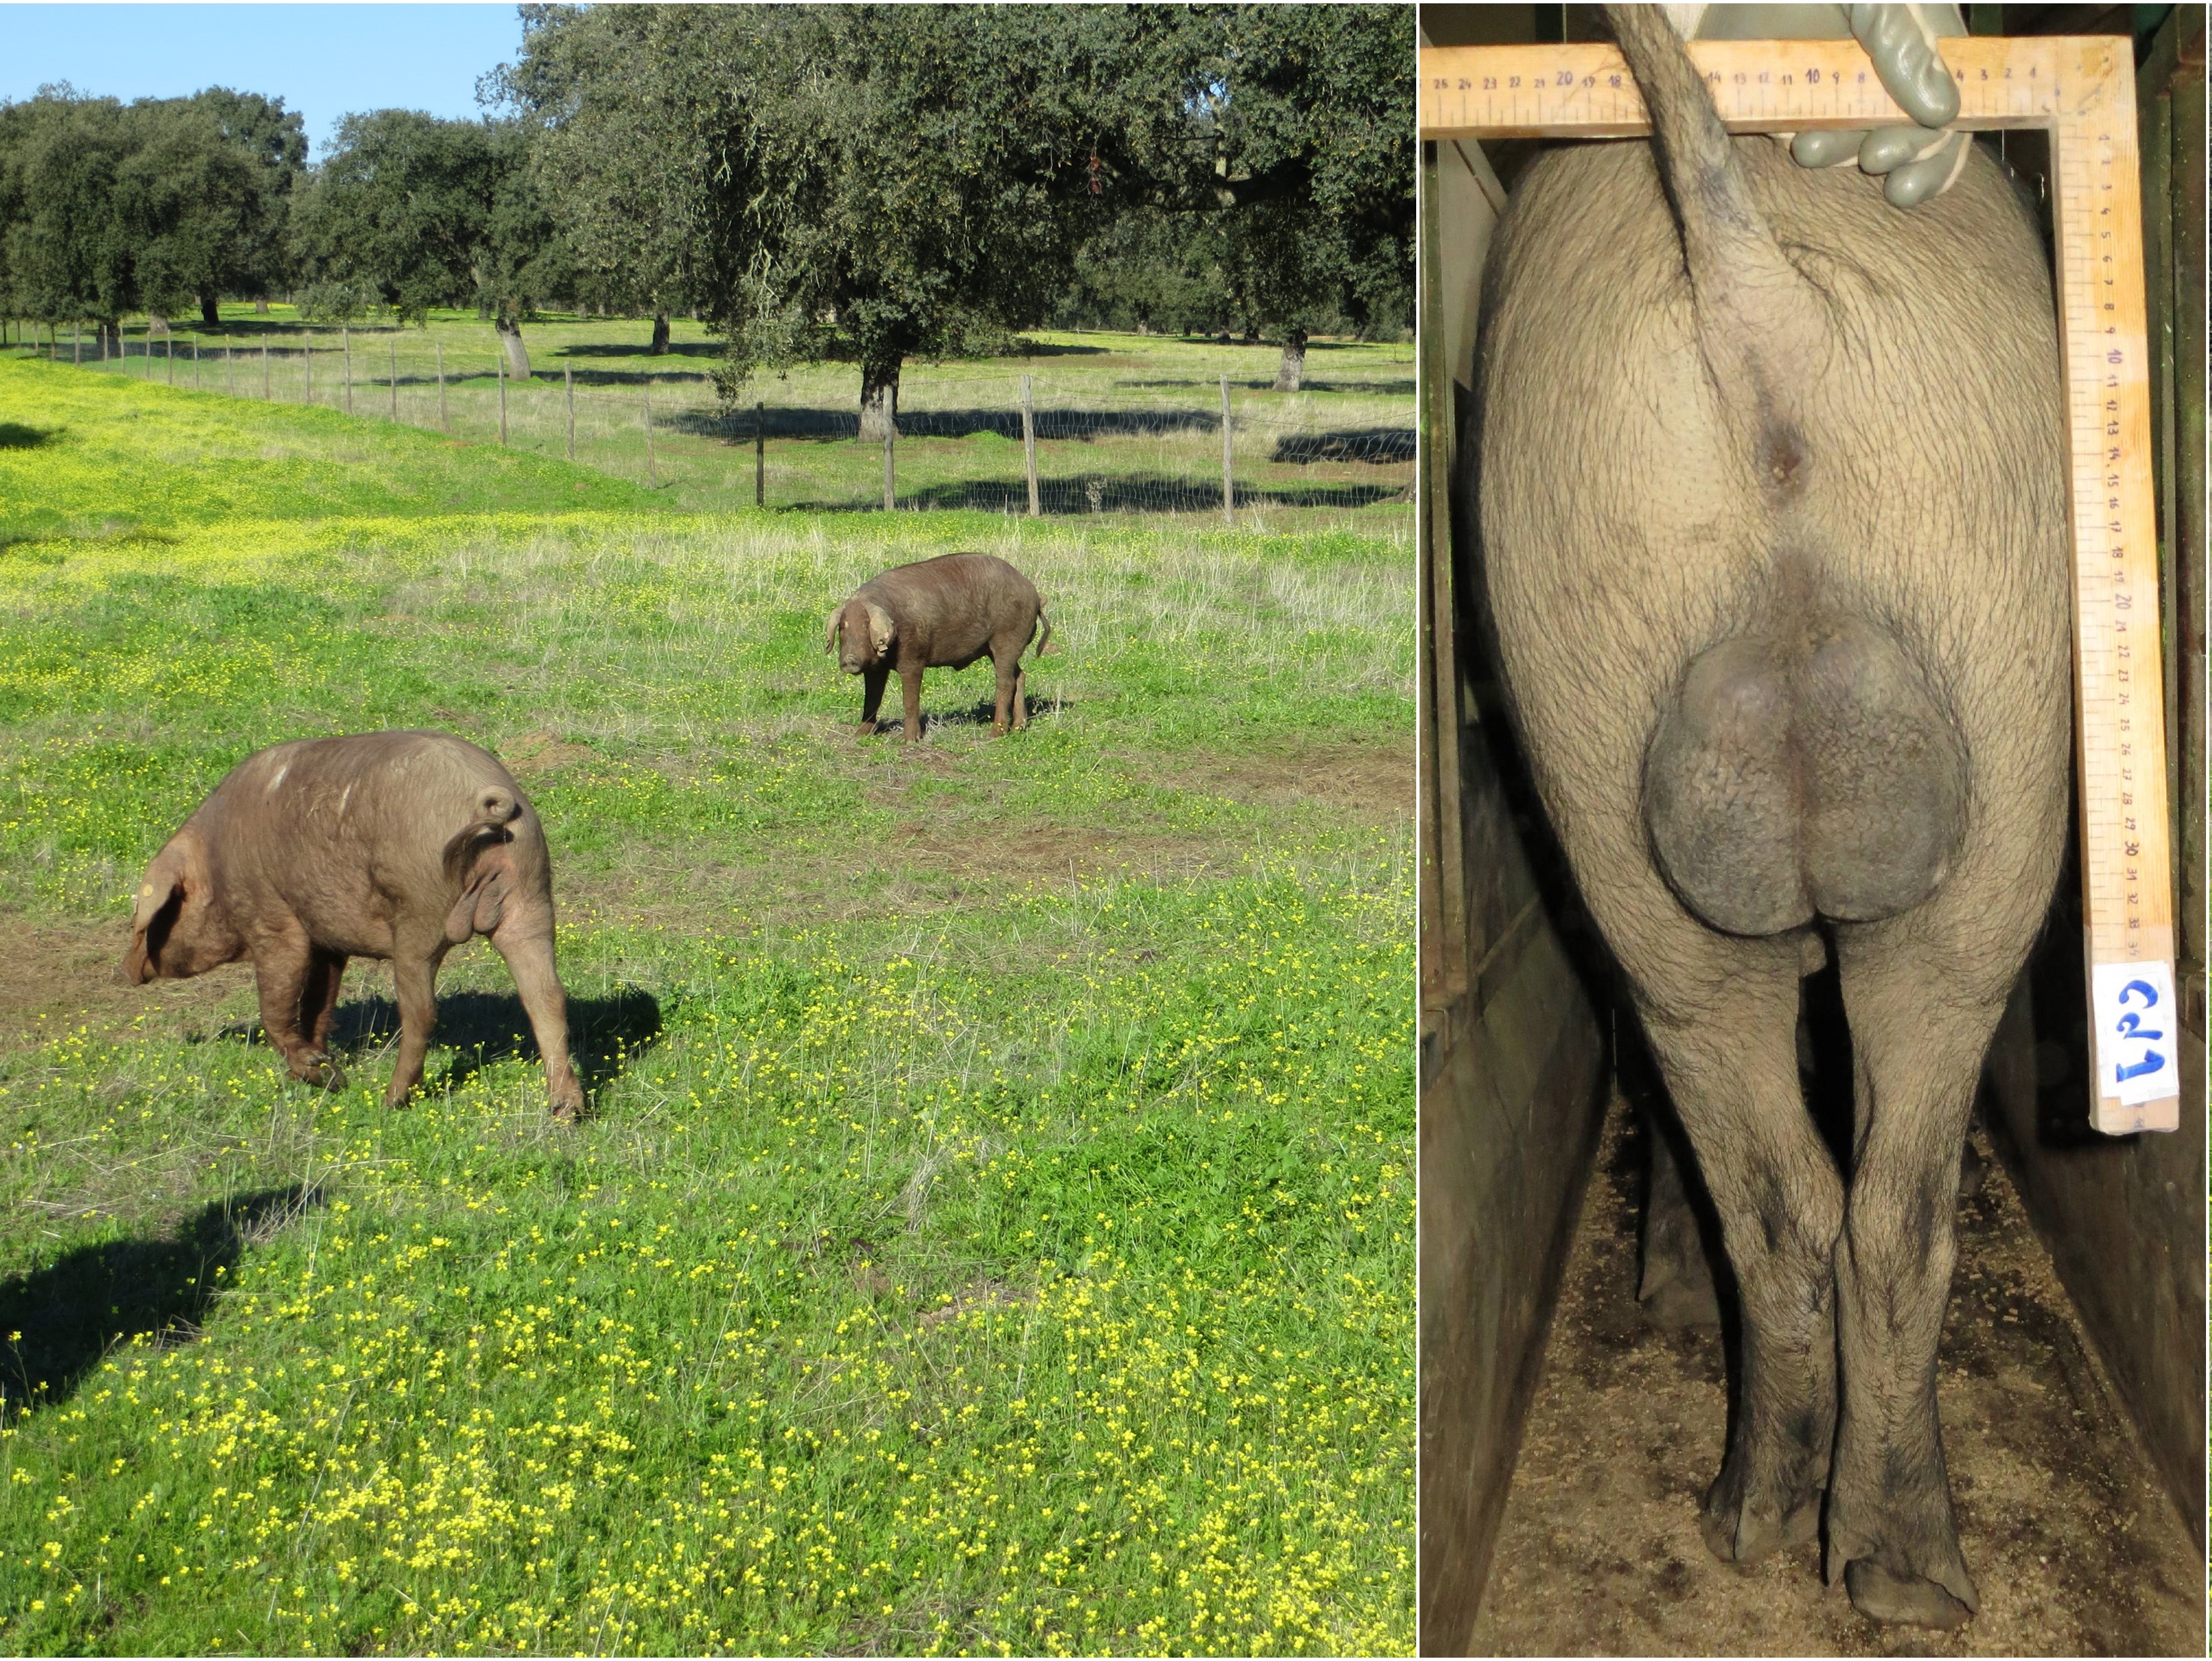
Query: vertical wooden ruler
[2082, 90]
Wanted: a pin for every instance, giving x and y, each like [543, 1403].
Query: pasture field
[993, 1232]
[1126, 423]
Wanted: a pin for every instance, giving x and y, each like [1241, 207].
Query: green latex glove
[1919, 160]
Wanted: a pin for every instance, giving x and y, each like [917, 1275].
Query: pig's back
[351, 833]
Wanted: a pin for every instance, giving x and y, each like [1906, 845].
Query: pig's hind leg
[526, 942]
[1007, 665]
[415, 982]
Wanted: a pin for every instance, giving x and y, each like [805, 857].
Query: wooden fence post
[1029, 444]
[76, 343]
[652, 473]
[444, 424]
[391, 374]
[760, 454]
[170, 353]
[891, 499]
[307, 370]
[345, 340]
[498, 369]
[569, 380]
[265, 368]
[196, 361]
[229, 373]
[1228, 489]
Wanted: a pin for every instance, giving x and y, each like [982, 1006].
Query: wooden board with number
[2082, 90]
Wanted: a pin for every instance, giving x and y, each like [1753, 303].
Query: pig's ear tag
[2138, 1046]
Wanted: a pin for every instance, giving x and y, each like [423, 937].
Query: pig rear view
[942, 613]
[393, 845]
[1770, 490]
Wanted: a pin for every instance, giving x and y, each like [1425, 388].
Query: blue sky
[323, 61]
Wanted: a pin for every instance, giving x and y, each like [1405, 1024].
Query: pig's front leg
[283, 962]
[872, 697]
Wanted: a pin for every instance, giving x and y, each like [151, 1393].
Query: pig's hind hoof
[1903, 1599]
[324, 1075]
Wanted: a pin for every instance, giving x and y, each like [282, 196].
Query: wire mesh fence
[1082, 429]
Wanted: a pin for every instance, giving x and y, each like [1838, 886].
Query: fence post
[345, 340]
[265, 368]
[569, 382]
[652, 473]
[229, 373]
[890, 500]
[76, 343]
[1029, 444]
[760, 454]
[498, 369]
[391, 374]
[196, 361]
[307, 370]
[444, 424]
[1228, 489]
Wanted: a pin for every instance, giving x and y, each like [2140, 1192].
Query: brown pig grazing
[941, 613]
[392, 845]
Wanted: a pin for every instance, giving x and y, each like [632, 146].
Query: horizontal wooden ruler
[2082, 90]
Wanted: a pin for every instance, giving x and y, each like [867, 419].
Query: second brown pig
[942, 613]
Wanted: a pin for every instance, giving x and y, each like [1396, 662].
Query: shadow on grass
[13, 435]
[63, 1318]
[982, 713]
[486, 1028]
[706, 349]
[1381, 446]
[1125, 493]
[1395, 388]
[737, 426]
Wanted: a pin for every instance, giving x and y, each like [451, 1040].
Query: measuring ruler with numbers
[2082, 90]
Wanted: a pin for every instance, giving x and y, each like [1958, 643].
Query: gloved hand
[1920, 161]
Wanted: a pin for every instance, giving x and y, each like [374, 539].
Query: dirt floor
[2075, 1548]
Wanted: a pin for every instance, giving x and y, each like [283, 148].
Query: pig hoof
[1748, 1537]
[324, 1074]
[1903, 1599]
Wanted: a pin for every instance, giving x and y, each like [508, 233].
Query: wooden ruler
[2082, 90]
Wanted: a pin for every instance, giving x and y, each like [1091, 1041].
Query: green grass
[994, 1229]
[1129, 424]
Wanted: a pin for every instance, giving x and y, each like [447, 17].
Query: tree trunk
[880, 382]
[1292, 374]
[210, 312]
[518, 354]
[156, 324]
[261, 307]
[659, 347]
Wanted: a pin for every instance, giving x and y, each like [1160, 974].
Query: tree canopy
[161, 204]
[411, 211]
[869, 182]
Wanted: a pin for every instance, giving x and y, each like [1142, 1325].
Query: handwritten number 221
[2130, 1026]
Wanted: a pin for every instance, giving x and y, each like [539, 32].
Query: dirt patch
[62, 974]
[1373, 780]
[539, 752]
[2075, 1548]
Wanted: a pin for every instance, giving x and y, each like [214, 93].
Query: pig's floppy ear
[881, 630]
[161, 898]
[836, 623]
